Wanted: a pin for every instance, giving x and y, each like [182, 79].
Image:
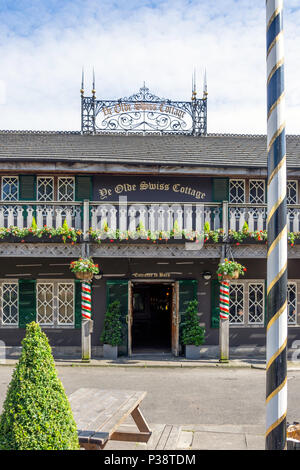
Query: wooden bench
[99, 413]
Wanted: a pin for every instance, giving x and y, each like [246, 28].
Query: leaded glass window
[10, 188]
[292, 192]
[9, 303]
[66, 303]
[237, 191]
[292, 303]
[66, 189]
[236, 303]
[55, 303]
[45, 188]
[256, 191]
[45, 303]
[256, 303]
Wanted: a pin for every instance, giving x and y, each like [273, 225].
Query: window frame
[15, 282]
[249, 189]
[244, 183]
[297, 323]
[37, 189]
[55, 314]
[18, 189]
[235, 282]
[246, 323]
[58, 181]
[297, 200]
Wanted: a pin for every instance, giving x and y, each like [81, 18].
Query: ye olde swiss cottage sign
[138, 188]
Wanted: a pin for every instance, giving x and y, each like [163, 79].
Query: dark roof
[211, 150]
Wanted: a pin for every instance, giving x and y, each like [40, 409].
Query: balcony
[88, 216]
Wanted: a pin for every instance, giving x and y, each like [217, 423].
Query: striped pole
[86, 300]
[224, 300]
[276, 383]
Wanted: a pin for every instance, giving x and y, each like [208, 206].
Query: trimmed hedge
[36, 412]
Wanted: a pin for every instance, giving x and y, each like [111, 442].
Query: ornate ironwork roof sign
[143, 113]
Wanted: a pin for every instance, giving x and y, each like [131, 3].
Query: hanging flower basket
[230, 270]
[234, 275]
[84, 269]
[84, 276]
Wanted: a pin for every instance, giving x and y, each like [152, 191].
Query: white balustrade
[153, 217]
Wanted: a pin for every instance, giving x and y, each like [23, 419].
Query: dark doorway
[152, 317]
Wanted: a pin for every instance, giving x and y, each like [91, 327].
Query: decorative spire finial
[205, 86]
[82, 82]
[194, 92]
[94, 88]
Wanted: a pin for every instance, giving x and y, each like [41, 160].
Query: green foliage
[105, 227]
[65, 225]
[112, 331]
[192, 333]
[141, 227]
[176, 226]
[206, 227]
[245, 227]
[36, 412]
[34, 224]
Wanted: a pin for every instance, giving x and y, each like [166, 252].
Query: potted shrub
[192, 332]
[228, 270]
[111, 336]
[84, 268]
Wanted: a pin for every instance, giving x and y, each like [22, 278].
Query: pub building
[139, 162]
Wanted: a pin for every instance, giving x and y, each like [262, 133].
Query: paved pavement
[216, 406]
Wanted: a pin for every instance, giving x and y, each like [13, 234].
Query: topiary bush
[36, 412]
[192, 333]
[112, 330]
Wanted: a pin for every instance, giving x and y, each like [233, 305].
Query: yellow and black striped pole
[276, 386]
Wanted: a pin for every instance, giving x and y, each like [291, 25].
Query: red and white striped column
[86, 311]
[86, 300]
[224, 300]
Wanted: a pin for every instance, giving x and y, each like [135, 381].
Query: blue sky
[45, 43]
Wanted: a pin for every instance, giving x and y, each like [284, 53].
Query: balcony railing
[153, 216]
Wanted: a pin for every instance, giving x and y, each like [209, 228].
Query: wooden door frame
[175, 305]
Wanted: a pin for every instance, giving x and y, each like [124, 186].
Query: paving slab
[255, 442]
[185, 440]
[218, 441]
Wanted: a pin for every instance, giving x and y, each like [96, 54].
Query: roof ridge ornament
[144, 112]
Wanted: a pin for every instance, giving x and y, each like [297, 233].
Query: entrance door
[150, 318]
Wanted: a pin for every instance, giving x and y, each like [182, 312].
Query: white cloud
[42, 68]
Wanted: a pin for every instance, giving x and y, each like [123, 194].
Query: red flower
[245, 269]
[237, 243]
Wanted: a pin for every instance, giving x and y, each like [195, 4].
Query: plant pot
[110, 352]
[192, 352]
[228, 277]
[84, 276]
